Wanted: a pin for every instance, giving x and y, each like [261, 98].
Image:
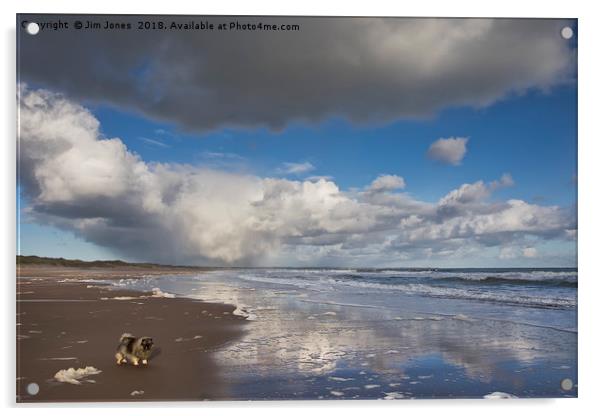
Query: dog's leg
[145, 362]
[119, 358]
[136, 361]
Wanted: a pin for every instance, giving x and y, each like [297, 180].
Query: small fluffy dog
[134, 349]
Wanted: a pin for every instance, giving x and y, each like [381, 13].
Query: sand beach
[65, 323]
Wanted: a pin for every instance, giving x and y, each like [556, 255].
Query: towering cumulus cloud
[77, 180]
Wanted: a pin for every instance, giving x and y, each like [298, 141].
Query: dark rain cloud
[362, 69]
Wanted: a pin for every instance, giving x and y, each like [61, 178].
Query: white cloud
[154, 142]
[529, 252]
[387, 183]
[221, 155]
[504, 182]
[495, 222]
[470, 197]
[466, 193]
[514, 252]
[296, 168]
[507, 253]
[318, 177]
[451, 150]
[76, 180]
[231, 162]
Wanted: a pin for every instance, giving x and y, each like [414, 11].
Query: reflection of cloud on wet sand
[284, 341]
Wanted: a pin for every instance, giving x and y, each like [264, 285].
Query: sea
[394, 333]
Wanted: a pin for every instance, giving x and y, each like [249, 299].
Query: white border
[589, 189]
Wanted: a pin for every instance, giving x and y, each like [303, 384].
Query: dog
[133, 349]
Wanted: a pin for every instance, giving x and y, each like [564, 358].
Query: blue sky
[515, 113]
[533, 136]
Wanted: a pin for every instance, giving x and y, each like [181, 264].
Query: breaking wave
[532, 288]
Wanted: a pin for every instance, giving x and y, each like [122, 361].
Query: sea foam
[73, 376]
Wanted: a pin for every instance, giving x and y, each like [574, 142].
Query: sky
[351, 143]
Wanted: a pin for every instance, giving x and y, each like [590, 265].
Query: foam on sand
[137, 393]
[241, 311]
[461, 317]
[158, 293]
[73, 376]
[499, 395]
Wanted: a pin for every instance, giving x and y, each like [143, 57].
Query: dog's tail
[125, 336]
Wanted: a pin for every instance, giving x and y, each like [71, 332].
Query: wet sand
[63, 323]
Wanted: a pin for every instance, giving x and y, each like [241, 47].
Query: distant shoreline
[62, 262]
[29, 261]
